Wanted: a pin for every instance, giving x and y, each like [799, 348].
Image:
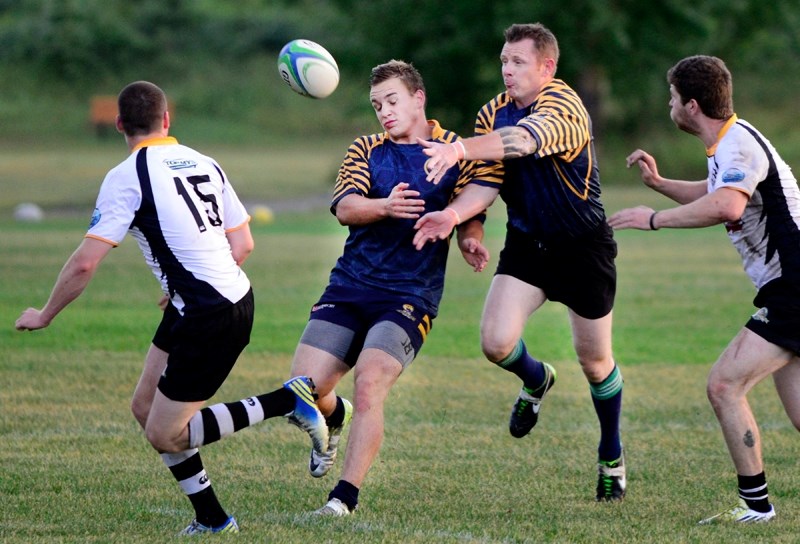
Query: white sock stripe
[750, 497]
[224, 419]
[753, 489]
[196, 431]
[255, 412]
[172, 459]
[196, 483]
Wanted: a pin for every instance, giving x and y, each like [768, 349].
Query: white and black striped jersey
[768, 234]
[178, 205]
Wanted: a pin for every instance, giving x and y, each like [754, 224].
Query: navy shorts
[778, 319]
[578, 272]
[202, 348]
[346, 320]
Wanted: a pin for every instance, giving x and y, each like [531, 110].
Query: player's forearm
[473, 200]
[682, 192]
[471, 228]
[504, 143]
[721, 206]
[359, 210]
[71, 282]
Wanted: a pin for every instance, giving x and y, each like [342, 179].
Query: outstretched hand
[475, 253]
[647, 167]
[433, 226]
[632, 218]
[442, 157]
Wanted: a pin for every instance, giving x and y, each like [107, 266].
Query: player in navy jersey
[383, 294]
[194, 234]
[753, 192]
[558, 244]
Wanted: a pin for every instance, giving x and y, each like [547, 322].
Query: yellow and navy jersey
[555, 192]
[381, 255]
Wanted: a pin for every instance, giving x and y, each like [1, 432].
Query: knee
[495, 347]
[718, 391]
[596, 369]
[161, 442]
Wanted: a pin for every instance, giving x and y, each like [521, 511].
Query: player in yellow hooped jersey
[382, 296]
[558, 244]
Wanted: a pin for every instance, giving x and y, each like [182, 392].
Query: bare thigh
[746, 361]
[154, 365]
[509, 304]
[787, 383]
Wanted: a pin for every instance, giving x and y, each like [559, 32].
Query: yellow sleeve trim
[100, 238]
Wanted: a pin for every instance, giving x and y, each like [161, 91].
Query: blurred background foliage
[216, 58]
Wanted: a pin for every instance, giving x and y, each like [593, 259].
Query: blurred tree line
[615, 52]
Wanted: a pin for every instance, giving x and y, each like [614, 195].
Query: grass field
[74, 467]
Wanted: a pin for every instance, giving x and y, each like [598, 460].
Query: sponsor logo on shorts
[180, 164]
[318, 307]
[761, 315]
[732, 175]
[407, 311]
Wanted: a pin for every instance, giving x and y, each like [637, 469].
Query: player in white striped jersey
[193, 232]
[752, 191]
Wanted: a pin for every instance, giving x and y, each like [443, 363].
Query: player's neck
[421, 130]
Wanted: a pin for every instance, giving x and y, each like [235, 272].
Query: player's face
[679, 112]
[400, 112]
[524, 73]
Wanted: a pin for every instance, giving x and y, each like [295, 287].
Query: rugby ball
[308, 68]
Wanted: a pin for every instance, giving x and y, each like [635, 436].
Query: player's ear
[166, 120]
[419, 95]
[118, 124]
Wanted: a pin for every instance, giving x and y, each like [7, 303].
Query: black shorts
[580, 273]
[778, 319]
[202, 348]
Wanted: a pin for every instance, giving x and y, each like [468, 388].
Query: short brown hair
[141, 108]
[402, 70]
[707, 80]
[544, 41]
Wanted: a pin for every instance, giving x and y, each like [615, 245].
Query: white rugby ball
[308, 68]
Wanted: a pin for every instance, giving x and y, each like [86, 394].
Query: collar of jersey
[713, 149]
[436, 129]
[162, 140]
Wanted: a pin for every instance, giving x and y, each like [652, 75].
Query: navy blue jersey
[381, 255]
[554, 193]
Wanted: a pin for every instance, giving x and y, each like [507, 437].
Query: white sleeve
[741, 163]
[235, 212]
[116, 205]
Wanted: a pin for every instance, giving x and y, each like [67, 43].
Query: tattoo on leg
[749, 439]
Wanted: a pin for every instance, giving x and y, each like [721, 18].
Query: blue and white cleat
[306, 415]
[320, 464]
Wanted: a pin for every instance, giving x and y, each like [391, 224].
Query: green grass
[74, 467]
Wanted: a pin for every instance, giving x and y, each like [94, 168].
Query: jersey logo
[179, 164]
[95, 217]
[732, 175]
